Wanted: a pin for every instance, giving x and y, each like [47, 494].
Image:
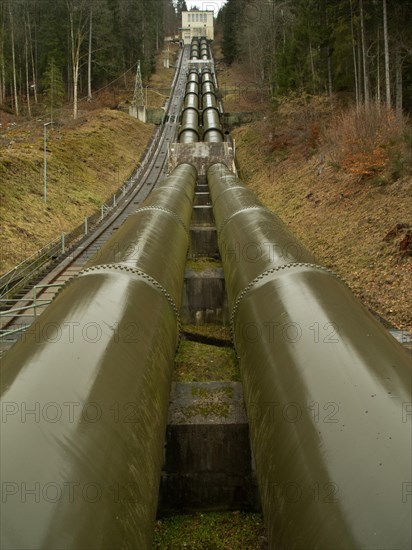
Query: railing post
[114, 200]
[86, 226]
[102, 212]
[35, 301]
[62, 243]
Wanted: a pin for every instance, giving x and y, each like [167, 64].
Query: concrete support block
[202, 188]
[202, 198]
[208, 463]
[201, 155]
[203, 215]
[138, 112]
[204, 297]
[203, 242]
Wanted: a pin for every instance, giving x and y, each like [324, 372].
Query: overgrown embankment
[86, 162]
[342, 182]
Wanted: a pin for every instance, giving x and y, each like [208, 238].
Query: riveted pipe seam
[161, 209]
[211, 108]
[170, 190]
[271, 274]
[236, 213]
[148, 279]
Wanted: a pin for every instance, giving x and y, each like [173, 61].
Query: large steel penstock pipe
[327, 388]
[85, 392]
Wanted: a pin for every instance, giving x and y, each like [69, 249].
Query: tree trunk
[364, 58]
[89, 59]
[378, 76]
[355, 67]
[399, 83]
[359, 57]
[312, 67]
[76, 39]
[69, 71]
[386, 41]
[26, 51]
[33, 65]
[274, 75]
[2, 63]
[329, 56]
[13, 55]
[75, 88]
[330, 82]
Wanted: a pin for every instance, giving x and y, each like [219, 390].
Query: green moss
[197, 362]
[206, 409]
[220, 332]
[222, 530]
[205, 392]
[203, 263]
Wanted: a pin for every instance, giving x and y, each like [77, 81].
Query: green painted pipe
[189, 130]
[191, 101]
[192, 87]
[327, 388]
[212, 128]
[84, 394]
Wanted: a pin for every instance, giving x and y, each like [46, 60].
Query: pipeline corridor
[94, 470]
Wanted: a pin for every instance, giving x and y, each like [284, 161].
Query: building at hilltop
[196, 23]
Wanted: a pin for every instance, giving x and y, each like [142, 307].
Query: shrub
[367, 142]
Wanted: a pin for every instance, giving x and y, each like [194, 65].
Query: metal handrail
[16, 277]
[34, 305]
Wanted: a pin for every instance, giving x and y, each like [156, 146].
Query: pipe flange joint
[243, 209]
[270, 271]
[165, 210]
[104, 268]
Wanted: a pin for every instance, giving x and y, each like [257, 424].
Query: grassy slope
[341, 219]
[88, 160]
[86, 163]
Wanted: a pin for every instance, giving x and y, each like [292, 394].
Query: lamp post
[45, 161]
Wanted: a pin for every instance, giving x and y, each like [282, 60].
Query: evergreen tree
[228, 17]
[181, 6]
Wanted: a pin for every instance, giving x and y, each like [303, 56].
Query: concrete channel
[208, 461]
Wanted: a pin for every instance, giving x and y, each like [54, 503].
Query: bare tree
[26, 58]
[355, 68]
[78, 23]
[399, 81]
[364, 56]
[386, 41]
[89, 57]
[2, 60]
[31, 48]
[378, 73]
[13, 55]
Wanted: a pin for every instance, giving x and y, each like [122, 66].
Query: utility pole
[45, 161]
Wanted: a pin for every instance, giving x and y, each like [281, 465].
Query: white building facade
[197, 23]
